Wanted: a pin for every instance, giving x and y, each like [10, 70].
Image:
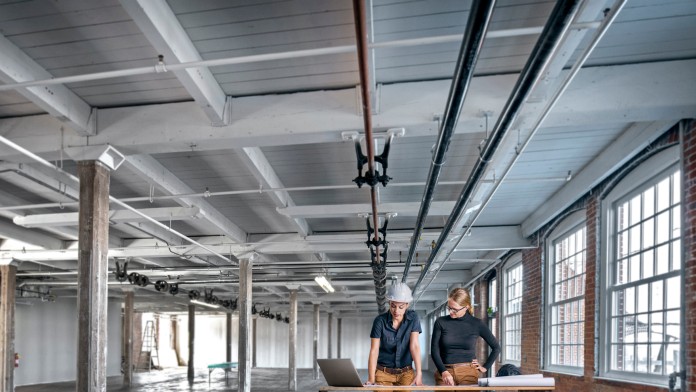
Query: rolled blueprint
[517, 381]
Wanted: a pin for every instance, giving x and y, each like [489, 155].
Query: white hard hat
[399, 292]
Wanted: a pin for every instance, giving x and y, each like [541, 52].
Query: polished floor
[174, 379]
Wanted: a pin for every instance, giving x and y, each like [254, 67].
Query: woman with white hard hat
[453, 344]
[395, 351]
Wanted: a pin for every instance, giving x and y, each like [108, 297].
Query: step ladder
[149, 347]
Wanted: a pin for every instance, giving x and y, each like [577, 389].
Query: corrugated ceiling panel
[77, 37]
[649, 31]
[240, 29]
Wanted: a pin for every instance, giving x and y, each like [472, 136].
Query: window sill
[564, 372]
[654, 383]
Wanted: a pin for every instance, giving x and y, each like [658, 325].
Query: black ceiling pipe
[476, 27]
[560, 19]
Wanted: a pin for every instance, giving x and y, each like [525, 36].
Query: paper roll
[517, 381]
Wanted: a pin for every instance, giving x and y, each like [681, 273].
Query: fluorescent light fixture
[193, 301]
[324, 283]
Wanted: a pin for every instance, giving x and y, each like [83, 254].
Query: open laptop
[340, 372]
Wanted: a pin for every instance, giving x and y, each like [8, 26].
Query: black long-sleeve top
[454, 341]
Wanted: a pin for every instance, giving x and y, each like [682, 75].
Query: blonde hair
[462, 297]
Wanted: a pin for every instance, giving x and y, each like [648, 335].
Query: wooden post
[328, 335]
[191, 340]
[338, 337]
[292, 340]
[245, 303]
[92, 278]
[128, 338]
[315, 349]
[8, 274]
[228, 337]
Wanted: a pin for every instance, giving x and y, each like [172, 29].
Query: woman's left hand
[478, 367]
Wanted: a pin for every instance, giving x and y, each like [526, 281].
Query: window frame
[568, 225]
[514, 262]
[649, 173]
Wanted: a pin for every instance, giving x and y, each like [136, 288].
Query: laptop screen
[340, 372]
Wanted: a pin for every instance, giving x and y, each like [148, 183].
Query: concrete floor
[174, 379]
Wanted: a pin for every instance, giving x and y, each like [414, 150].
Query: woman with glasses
[453, 344]
[394, 350]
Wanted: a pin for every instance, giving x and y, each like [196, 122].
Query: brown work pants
[463, 374]
[405, 378]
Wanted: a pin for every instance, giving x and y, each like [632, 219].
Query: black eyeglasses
[455, 310]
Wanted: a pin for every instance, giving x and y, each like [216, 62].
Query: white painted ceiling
[283, 127]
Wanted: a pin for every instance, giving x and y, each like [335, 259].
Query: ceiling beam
[59, 101]
[598, 95]
[162, 29]
[154, 172]
[481, 238]
[439, 208]
[262, 170]
[32, 237]
[115, 216]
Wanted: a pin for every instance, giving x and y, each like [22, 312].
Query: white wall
[46, 340]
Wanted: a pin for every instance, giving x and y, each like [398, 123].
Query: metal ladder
[149, 346]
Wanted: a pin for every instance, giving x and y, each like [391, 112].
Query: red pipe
[361, 36]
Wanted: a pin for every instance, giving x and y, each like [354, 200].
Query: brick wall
[531, 311]
[533, 259]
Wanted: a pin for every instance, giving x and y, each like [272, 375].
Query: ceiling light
[324, 283]
[193, 301]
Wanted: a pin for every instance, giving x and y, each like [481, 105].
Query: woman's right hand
[368, 383]
[447, 378]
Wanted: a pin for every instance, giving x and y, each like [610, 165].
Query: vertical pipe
[128, 338]
[245, 303]
[191, 340]
[292, 341]
[476, 27]
[228, 337]
[315, 347]
[7, 320]
[92, 289]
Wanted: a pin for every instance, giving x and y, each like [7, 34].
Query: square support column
[315, 348]
[292, 340]
[191, 340]
[128, 338]
[8, 275]
[92, 278]
[329, 334]
[245, 303]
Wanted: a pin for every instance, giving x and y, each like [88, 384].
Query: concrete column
[8, 275]
[329, 336]
[191, 340]
[92, 278]
[292, 340]
[228, 337]
[253, 344]
[338, 337]
[128, 338]
[315, 349]
[245, 303]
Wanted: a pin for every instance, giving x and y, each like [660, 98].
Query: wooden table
[434, 388]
